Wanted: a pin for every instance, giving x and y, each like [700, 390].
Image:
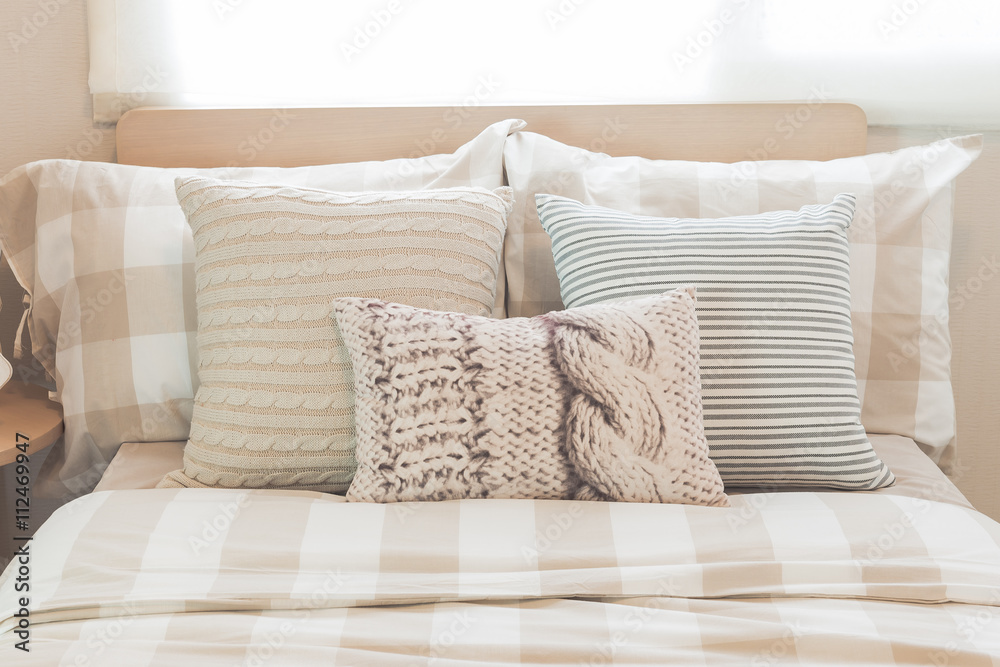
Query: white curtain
[905, 62]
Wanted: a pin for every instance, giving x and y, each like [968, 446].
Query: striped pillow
[900, 248]
[774, 309]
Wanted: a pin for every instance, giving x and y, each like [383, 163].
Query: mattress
[142, 465]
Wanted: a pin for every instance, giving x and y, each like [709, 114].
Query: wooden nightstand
[26, 409]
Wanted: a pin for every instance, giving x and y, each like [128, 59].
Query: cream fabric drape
[906, 62]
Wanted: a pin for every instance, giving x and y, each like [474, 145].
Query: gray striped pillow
[774, 310]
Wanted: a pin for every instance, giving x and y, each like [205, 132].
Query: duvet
[210, 577]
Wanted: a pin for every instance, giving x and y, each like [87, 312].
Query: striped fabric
[774, 314]
[213, 577]
[107, 257]
[900, 250]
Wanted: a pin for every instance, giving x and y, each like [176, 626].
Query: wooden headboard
[165, 137]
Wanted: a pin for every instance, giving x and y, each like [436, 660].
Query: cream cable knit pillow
[598, 403]
[275, 407]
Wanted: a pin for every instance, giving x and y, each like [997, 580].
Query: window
[904, 61]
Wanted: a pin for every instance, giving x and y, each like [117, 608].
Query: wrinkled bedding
[154, 577]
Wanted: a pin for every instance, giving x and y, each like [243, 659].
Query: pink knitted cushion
[601, 402]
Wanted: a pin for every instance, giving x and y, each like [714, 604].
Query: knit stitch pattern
[596, 403]
[274, 406]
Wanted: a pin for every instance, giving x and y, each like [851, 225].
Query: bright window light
[903, 61]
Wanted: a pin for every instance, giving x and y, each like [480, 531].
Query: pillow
[275, 406]
[900, 247]
[596, 403]
[774, 309]
[106, 255]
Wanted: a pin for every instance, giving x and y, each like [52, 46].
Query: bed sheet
[218, 577]
[141, 465]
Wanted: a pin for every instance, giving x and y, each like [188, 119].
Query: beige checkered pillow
[900, 245]
[275, 408]
[107, 257]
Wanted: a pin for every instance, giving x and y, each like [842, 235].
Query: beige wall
[45, 113]
[45, 107]
[44, 99]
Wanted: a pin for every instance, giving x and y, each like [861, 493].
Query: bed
[865, 554]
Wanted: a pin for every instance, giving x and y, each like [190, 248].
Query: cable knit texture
[597, 403]
[275, 408]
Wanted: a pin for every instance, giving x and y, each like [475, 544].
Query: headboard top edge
[296, 136]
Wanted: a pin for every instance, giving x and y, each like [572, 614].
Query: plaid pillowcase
[900, 243]
[107, 256]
